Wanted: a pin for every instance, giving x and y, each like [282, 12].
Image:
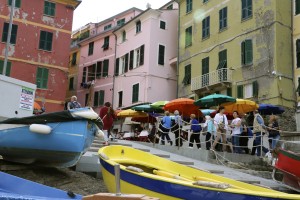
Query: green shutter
[14, 31]
[255, 88]
[8, 67]
[117, 67]
[161, 55]
[205, 66]
[17, 4]
[126, 62]
[243, 53]
[131, 58]
[248, 52]
[99, 69]
[101, 97]
[135, 93]
[45, 78]
[142, 55]
[297, 7]
[188, 36]
[5, 32]
[229, 92]
[240, 91]
[96, 98]
[105, 68]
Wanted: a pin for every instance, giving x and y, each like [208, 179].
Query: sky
[99, 10]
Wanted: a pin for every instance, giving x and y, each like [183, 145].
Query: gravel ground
[65, 179]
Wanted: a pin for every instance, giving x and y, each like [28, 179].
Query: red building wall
[26, 56]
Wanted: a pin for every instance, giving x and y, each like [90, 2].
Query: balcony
[214, 79]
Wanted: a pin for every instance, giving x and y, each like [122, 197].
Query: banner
[27, 99]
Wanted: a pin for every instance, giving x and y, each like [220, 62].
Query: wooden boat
[287, 169]
[12, 187]
[55, 140]
[144, 173]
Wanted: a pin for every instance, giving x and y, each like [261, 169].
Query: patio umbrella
[207, 111]
[241, 106]
[213, 100]
[269, 109]
[228, 115]
[147, 108]
[149, 119]
[131, 113]
[159, 104]
[184, 105]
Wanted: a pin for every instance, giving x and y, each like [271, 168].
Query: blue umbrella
[207, 111]
[146, 108]
[269, 109]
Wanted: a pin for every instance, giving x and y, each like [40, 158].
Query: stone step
[162, 155]
[184, 162]
[145, 150]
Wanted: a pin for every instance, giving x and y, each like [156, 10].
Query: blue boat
[15, 188]
[56, 139]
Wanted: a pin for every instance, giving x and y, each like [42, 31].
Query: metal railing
[212, 78]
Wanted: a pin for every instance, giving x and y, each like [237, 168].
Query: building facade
[39, 46]
[146, 58]
[241, 48]
[97, 60]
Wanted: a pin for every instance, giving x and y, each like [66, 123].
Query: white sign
[27, 99]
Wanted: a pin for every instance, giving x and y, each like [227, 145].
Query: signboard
[27, 99]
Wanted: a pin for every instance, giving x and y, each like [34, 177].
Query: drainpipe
[114, 77]
[11, 16]
[178, 43]
[293, 55]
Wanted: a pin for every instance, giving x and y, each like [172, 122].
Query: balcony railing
[210, 79]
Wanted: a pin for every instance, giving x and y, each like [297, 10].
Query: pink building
[146, 57]
[97, 59]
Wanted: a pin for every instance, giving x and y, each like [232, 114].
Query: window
[107, 27]
[8, 67]
[204, 1]
[188, 36]
[46, 41]
[222, 59]
[49, 8]
[240, 91]
[161, 55]
[189, 6]
[14, 30]
[86, 99]
[297, 7]
[120, 103]
[205, 27]
[91, 72]
[138, 26]
[105, 45]
[42, 78]
[74, 58]
[99, 70]
[170, 7]
[298, 53]
[131, 59]
[162, 25]
[187, 75]
[17, 4]
[255, 89]
[121, 22]
[246, 9]
[99, 98]
[105, 68]
[123, 36]
[135, 93]
[223, 18]
[205, 72]
[84, 75]
[247, 52]
[139, 56]
[229, 92]
[71, 83]
[91, 48]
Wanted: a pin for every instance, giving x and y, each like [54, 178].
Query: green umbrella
[213, 100]
[146, 108]
[159, 104]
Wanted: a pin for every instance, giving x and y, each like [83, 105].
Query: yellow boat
[144, 173]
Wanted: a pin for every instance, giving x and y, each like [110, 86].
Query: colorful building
[146, 58]
[240, 48]
[39, 46]
[97, 60]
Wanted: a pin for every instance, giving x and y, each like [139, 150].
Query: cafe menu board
[27, 99]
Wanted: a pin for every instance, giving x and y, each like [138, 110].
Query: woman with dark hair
[222, 122]
[107, 114]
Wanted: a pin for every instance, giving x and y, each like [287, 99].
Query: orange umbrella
[37, 106]
[184, 105]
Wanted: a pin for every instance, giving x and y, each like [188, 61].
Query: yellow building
[240, 48]
[296, 44]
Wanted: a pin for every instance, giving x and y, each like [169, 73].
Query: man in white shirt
[236, 132]
[222, 122]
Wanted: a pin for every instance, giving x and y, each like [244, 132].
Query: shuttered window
[8, 67]
[17, 4]
[99, 70]
[131, 59]
[107, 27]
[161, 55]
[246, 9]
[189, 6]
[135, 93]
[138, 26]
[42, 78]
[222, 59]
[117, 67]
[205, 27]
[46, 40]
[255, 88]
[162, 25]
[84, 75]
[223, 18]
[74, 58]
[187, 75]
[105, 45]
[99, 98]
[49, 8]
[188, 36]
[247, 52]
[142, 52]
[298, 53]
[14, 31]
[91, 48]
[205, 72]
[240, 91]
[121, 22]
[105, 68]
[126, 63]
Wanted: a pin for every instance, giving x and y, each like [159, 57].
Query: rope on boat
[212, 184]
[134, 169]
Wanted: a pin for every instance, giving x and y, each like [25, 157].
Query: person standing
[107, 114]
[166, 126]
[258, 130]
[236, 132]
[195, 134]
[221, 120]
[73, 104]
[211, 131]
[177, 127]
[244, 137]
[274, 134]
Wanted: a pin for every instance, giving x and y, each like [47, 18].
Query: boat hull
[62, 147]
